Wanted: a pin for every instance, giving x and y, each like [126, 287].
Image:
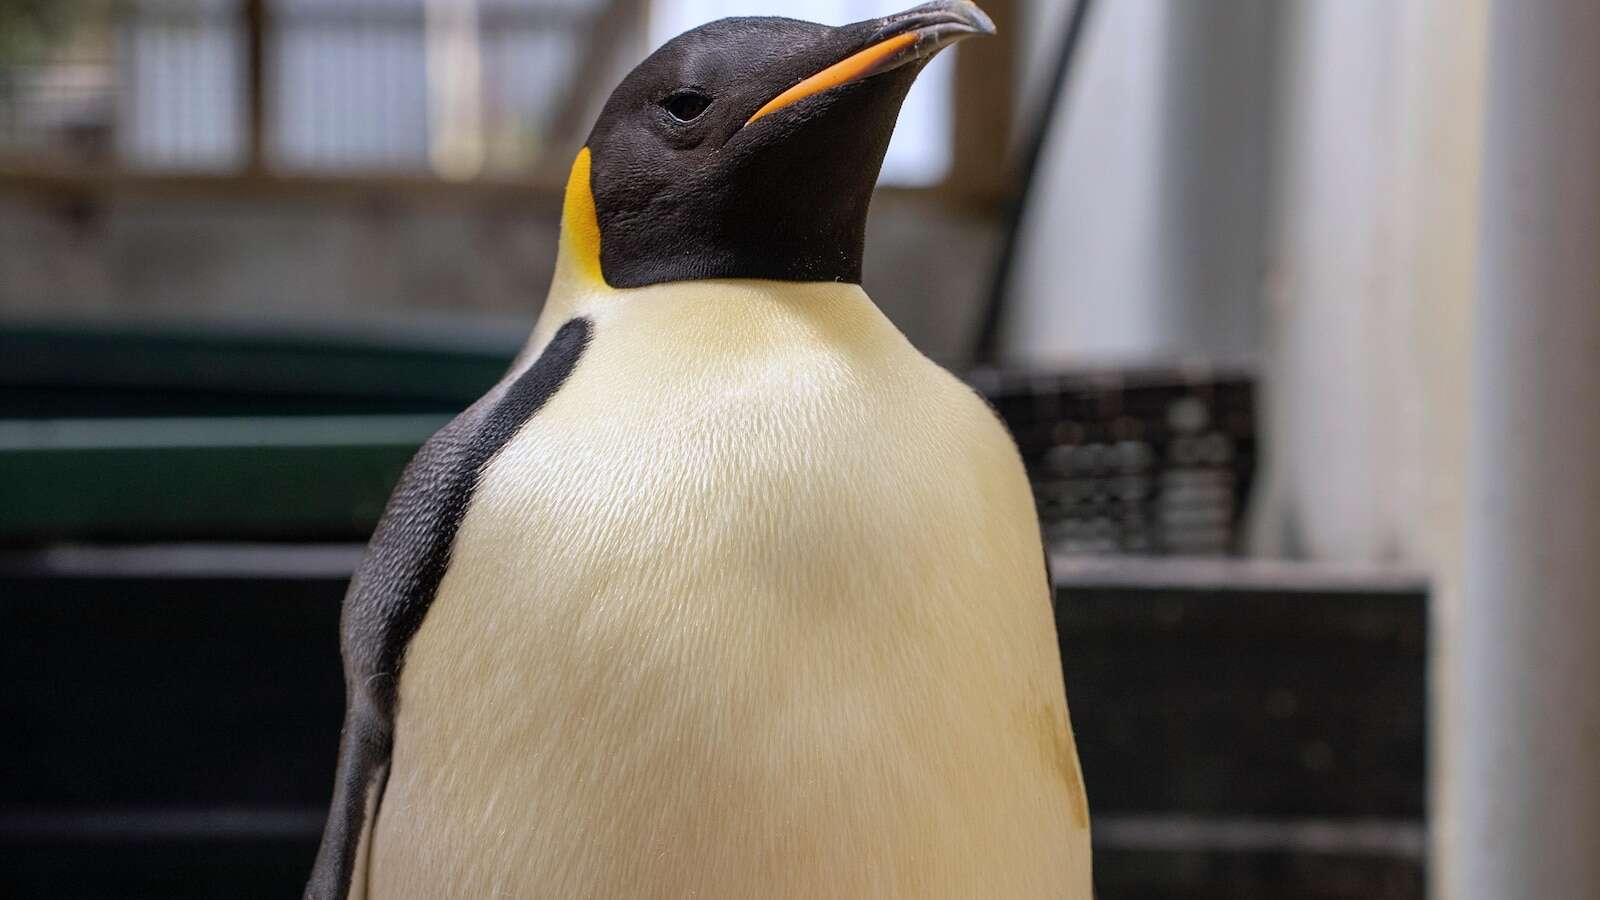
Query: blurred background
[1292, 305]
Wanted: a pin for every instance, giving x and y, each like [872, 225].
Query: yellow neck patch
[580, 228]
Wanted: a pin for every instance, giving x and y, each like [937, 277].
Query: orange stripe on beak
[852, 68]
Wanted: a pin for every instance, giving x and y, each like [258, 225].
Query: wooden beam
[255, 29]
[983, 99]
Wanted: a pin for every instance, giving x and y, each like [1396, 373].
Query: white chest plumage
[754, 607]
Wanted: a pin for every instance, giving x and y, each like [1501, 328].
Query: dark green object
[73, 371]
[286, 477]
[141, 433]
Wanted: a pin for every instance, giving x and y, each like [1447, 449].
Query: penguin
[724, 590]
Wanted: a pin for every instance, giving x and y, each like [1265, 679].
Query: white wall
[1084, 283]
[1144, 237]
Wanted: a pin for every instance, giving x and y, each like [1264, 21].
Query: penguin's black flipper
[396, 583]
[383, 607]
[364, 747]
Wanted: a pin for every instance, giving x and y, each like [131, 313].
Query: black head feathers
[749, 148]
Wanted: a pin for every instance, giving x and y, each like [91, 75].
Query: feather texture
[753, 607]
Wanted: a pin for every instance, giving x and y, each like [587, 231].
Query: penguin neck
[578, 278]
[703, 314]
[575, 284]
[579, 287]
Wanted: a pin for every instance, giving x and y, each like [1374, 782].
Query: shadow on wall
[366, 252]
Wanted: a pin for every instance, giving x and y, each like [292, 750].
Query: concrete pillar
[1337, 285]
[1525, 783]
[1369, 291]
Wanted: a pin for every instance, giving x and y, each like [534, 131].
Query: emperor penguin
[725, 590]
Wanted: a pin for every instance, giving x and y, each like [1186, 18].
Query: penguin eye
[685, 105]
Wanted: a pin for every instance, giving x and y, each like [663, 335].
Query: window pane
[181, 104]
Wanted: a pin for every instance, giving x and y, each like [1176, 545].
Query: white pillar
[1525, 783]
[455, 88]
[1369, 290]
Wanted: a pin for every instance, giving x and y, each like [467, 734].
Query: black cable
[987, 345]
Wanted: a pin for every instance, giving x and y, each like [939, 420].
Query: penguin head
[749, 148]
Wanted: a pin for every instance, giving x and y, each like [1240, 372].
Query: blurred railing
[456, 87]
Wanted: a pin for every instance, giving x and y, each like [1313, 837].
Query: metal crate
[1154, 461]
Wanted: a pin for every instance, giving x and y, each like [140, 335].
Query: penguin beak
[912, 36]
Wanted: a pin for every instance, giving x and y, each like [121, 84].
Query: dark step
[175, 712]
